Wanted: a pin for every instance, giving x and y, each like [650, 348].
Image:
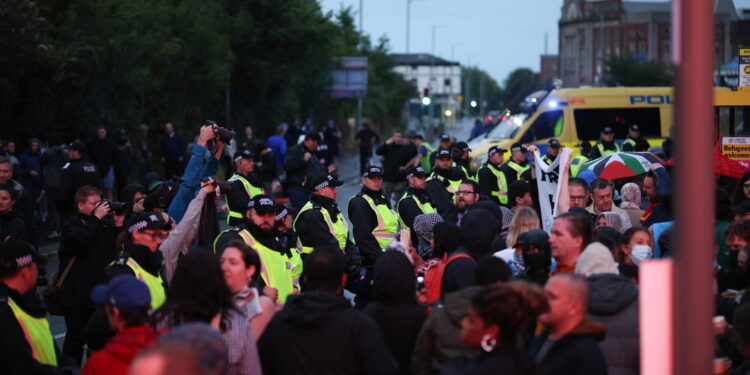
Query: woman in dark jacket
[395, 308]
[12, 225]
[497, 315]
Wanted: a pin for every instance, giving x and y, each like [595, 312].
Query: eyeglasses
[578, 197]
[465, 192]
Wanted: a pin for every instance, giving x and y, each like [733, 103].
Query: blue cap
[125, 292]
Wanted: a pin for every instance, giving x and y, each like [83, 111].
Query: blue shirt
[277, 143]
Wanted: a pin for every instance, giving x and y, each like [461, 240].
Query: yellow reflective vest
[251, 191]
[502, 185]
[576, 164]
[387, 227]
[426, 208]
[518, 168]
[339, 229]
[452, 187]
[275, 268]
[155, 284]
[605, 152]
[37, 333]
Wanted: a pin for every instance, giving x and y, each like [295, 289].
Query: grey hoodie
[614, 302]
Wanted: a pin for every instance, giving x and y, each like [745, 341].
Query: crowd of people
[430, 268]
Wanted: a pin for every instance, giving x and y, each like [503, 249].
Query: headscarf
[596, 258]
[631, 196]
[423, 225]
[614, 220]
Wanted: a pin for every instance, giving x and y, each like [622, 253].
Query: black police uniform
[364, 221]
[237, 197]
[311, 227]
[75, 173]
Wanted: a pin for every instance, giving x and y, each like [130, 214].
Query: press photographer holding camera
[87, 246]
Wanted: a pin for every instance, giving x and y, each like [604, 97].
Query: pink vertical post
[694, 188]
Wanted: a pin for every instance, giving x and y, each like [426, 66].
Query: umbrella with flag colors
[622, 164]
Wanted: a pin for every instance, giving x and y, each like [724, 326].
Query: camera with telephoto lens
[225, 135]
[117, 208]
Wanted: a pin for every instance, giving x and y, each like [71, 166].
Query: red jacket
[115, 357]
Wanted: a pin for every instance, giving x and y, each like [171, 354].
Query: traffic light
[426, 96]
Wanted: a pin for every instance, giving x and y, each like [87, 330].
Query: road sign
[349, 79]
[744, 66]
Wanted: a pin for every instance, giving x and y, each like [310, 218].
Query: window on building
[447, 82]
[666, 31]
[666, 49]
[589, 122]
[548, 125]
[642, 47]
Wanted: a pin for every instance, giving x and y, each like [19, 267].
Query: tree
[520, 83]
[627, 71]
[474, 79]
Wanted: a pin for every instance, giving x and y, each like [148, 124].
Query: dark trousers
[364, 159]
[298, 196]
[75, 323]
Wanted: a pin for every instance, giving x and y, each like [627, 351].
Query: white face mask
[640, 253]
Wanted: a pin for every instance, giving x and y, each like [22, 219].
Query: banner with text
[736, 148]
[547, 177]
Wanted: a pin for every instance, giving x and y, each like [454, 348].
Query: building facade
[441, 77]
[591, 30]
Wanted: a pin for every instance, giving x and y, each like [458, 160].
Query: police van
[577, 114]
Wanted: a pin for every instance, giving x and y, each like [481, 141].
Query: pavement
[348, 169]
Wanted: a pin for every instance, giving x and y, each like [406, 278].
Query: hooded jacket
[478, 231]
[440, 338]
[12, 226]
[395, 307]
[319, 332]
[576, 353]
[614, 303]
[116, 356]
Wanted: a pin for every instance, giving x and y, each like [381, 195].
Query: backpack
[433, 276]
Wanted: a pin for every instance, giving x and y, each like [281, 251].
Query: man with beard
[444, 182]
[258, 231]
[493, 185]
[467, 194]
[415, 200]
[517, 167]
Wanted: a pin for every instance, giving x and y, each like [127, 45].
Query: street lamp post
[432, 65]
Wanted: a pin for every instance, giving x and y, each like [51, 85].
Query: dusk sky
[495, 35]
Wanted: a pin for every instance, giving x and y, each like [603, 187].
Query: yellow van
[576, 114]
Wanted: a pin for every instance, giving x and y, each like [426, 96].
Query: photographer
[88, 246]
[302, 164]
[198, 167]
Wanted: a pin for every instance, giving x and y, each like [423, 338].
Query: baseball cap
[463, 146]
[535, 237]
[323, 181]
[518, 147]
[607, 130]
[373, 171]
[146, 220]
[635, 128]
[494, 150]
[78, 146]
[554, 143]
[418, 136]
[263, 204]
[15, 255]
[742, 208]
[244, 154]
[445, 137]
[443, 153]
[125, 292]
[416, 172]
[281, 212]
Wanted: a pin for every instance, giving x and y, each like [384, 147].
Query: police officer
[606, 144]
[415, 200]
[373, 223]
[579, 160]
[27, 344]
[553, 149]
[258, 231]
[320, 221]
[140, 254]
[461, 157]
[517, 167]
[493, 184]
[245, 185]
[76, 173]
[634, 141]
[444, 182]
[446, 142]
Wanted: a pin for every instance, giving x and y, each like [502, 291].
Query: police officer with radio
[373, 223]
[606, 144]
[517, 168]
[76, 173]
[245, 185]
[320, 222]
[493, 184]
